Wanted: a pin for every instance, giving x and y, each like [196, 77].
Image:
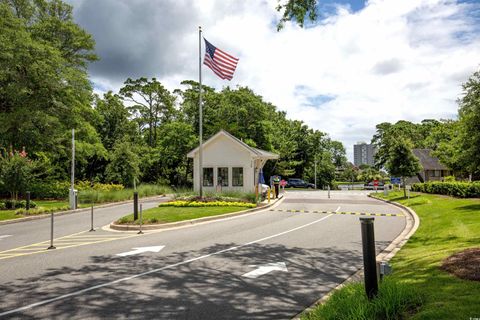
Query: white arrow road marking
[5, 236]
[141, 250]
[266, 268]
[167, 267]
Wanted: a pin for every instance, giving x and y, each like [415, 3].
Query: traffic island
[180, 214]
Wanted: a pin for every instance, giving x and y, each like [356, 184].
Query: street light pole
[315, 172]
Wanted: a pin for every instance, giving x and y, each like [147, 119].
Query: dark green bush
[50, 189]
[15, 204]
[455, 189]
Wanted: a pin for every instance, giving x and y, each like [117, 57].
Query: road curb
[413, 222]
[62, 213]
[130, 227]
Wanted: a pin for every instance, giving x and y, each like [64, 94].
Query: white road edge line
[79, 292]
[338, 209]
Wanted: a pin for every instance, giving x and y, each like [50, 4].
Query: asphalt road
[265, 265]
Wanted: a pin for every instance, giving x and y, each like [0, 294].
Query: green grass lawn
[173, 214]
[447, 225]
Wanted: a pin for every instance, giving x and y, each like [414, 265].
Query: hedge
[455, 189]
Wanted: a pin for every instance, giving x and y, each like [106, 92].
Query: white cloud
[391, 60]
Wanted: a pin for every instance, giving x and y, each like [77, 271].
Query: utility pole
[72, 184]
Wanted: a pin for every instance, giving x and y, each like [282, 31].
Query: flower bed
[182, 203]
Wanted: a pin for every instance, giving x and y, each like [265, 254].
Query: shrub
[229, 196]
[180, 203]
[97, 196]
[2, 205]
[50, 189]
[87, 185]
[40, 210]
[23, 204]
[455, 189]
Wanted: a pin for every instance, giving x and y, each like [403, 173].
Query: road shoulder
[412, 224]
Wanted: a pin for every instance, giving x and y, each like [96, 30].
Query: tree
[44, 87]
[15, 173]
[113, 122]
[153, 103]
[297, 10]
[124, 165]
[402, 162]
[469, 117]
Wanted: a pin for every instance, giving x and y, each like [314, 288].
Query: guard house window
[208, 177]
[237, 177]
[222, 177]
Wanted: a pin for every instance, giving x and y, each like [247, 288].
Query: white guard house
[228, 164]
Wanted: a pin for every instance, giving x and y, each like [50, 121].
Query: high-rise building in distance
[364, 153]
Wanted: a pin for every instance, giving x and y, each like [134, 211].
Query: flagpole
[200, 112]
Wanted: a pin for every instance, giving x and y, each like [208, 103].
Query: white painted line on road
[141, 250]
[338, 209]
[5, 236]
[79, 292]
[266, 268]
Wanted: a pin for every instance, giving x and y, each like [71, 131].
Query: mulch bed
[464, 264]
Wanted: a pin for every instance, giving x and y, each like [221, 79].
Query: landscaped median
[187, 210]
[419, 288]
[183, 210]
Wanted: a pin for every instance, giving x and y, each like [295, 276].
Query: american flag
[221, 63]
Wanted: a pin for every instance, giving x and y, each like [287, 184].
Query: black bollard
[135, 205]
[27, 206]
[141, 220]
[369, 257]
[91, 220]
[51, 232]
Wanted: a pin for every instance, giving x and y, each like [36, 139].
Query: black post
[91, 220]
[28, 201]
[369, 257]
[135, 205]
[76, 200]
[51, 232]
[141, 220]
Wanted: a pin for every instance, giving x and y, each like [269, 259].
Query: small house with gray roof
[432, 168]
[228, 164]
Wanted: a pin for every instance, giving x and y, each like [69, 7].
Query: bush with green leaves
[49, 189]
[455, 189]
[87, 185]
[230, 196]
[144, 190]
[15, 204]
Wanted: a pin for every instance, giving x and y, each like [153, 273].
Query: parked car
[299, 183]
[371, 185]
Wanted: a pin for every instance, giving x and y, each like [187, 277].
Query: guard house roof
[256, 153]
[427, 161]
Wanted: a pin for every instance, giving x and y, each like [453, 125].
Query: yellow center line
[64, 242]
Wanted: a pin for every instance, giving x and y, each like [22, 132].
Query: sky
[361, 63]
